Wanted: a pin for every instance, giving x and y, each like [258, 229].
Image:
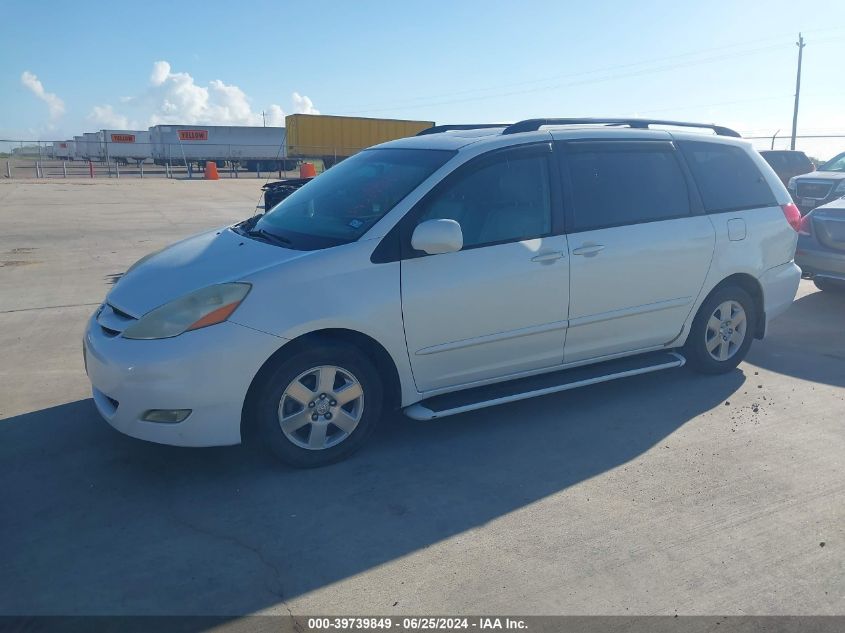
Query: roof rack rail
[462, 126]
[532, 125]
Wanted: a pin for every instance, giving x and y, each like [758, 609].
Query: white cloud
[275, 116]
[161, 70]
[303, 105]
[106, 117]
[174, 97]
[34, 85]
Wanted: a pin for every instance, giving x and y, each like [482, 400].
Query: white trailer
[77, 148]
[90, 146]
[63, 150]
[195, 143]
[125, 145]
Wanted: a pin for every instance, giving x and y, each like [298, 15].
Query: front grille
[106, 404]
[815, 190]
[113, 321]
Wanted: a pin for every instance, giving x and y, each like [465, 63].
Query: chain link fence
[98, 159]
[25, 159]
[818, 147]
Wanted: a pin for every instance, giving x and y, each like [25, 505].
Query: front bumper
[207, 371]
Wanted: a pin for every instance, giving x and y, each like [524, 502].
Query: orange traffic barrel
[211, 171]
[306, 170]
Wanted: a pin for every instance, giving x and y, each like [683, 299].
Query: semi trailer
[333, 138]
[124, 146]
[250, 147]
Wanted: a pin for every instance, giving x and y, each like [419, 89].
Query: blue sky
[729, 62]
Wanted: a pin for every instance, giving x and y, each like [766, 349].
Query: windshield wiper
[269, 237]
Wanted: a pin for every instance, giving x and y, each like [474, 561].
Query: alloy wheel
[726, 330]
[321, 407]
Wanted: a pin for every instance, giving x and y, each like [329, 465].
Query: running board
[540, 385]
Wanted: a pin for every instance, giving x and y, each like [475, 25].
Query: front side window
[836, 163]
[505, 199]
[727, 178]
[614, 186]
[340, 205]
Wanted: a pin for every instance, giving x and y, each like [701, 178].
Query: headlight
[840, 188]
[791, 183]
[199, 309]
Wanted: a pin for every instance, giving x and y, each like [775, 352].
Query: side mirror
[438, 236]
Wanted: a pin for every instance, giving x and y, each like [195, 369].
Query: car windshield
[340, 205]
[837, 163]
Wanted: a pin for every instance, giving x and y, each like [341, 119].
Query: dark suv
[787, 163]
[820, 187]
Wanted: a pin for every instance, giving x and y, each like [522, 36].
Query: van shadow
[807, 341]
[98, 523]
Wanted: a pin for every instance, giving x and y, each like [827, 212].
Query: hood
[821, 175]
[218, 256]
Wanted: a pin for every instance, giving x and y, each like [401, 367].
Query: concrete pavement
[659, 494]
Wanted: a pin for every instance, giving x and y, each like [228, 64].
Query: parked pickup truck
[824, 185]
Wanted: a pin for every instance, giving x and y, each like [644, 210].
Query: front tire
[319, 405]
[722, 331]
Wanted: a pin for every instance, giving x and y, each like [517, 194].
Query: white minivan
[458, 269]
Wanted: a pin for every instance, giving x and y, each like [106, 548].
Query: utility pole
[800, 44]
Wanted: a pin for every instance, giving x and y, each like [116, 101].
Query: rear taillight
[792, 215]
[806, 226]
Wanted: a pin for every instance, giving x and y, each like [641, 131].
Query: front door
[498, 306]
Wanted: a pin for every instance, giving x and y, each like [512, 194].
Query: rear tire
[829, 285]
[304, 412]
[722, 331]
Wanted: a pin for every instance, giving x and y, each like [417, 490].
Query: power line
[572, 83]
[426, 101]
[574, 74]
[712, 105]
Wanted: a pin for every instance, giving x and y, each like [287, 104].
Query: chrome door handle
[547, 257]
[588, 249]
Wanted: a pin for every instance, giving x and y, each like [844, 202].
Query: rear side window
[775, 159]
[800, 161]
[615, 184]
[726, 176]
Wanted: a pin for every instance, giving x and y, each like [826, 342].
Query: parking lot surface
[658, 494]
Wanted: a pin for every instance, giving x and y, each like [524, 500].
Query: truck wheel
[829, 285]
[722, 331]
[319, 405]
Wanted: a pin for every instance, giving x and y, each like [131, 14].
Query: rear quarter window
[775, 159]
[727, 178]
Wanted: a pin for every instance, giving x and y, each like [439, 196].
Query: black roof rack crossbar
[462, 126]
[532, 125]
